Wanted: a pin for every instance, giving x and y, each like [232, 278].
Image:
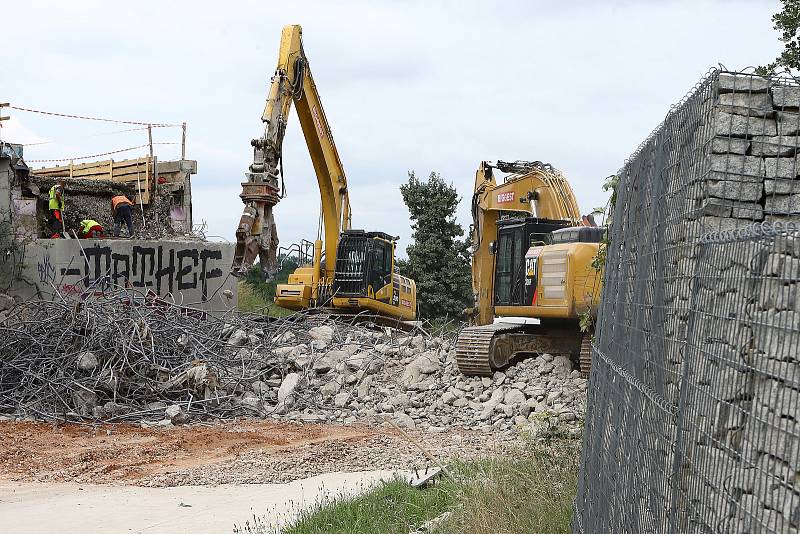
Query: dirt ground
[233, 452]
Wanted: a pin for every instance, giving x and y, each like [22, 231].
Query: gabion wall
[693, 422]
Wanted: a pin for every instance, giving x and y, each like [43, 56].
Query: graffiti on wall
[161, 269]
[47, 271]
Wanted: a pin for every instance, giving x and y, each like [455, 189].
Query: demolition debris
[128, 357]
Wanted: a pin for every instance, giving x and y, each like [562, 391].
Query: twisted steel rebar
[150, 352]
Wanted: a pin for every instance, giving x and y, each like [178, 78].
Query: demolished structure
[164, 259]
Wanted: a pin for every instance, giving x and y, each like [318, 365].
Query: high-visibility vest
[54, 203]
[88, 224]
[119, 199]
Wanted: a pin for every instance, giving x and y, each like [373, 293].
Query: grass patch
[528, 491]
[252, 300]
[393, 507]
[258, 296]
[532, 492]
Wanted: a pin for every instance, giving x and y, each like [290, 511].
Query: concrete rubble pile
[160, 364]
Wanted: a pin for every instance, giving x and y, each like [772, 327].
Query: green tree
[787, 21]
[438, 260]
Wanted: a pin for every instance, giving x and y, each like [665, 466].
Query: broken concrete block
[84, 401]
[321, 333]
[786, 96]
[288, 387]
[751, 104]
[788, 123]
[87, 361]
[788, 204]
[286, 337]
[729, 145]
[183, 340]
[782, 266]
[404, 420]
[110, 409]
[781, 186]
[776, 294]
[238, 338]
[176, 415]
[514, 398]
[737, 165]
[729, 124]
[747, 210]
[340, 400]
[719, 207]
[744, 191]
[782, 168]
[742, 83]
[772, 146]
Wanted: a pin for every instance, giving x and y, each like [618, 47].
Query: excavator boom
[351, 270]
[256, 235]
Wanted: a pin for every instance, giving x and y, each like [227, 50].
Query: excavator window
[514, 238]
[579, 234]
[381, 270]
[510, 266]
[362, 261]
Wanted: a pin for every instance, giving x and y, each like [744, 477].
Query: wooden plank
[89, 173]
[76, 167]
[99, 173]
[104, 163]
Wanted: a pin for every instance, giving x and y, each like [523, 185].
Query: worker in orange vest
[121, 206]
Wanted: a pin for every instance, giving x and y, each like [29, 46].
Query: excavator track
[480, 350]
[474, 347]
[585, 358]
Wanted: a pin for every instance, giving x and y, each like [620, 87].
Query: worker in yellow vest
[55, 221]
[90, 229]
[121, 206]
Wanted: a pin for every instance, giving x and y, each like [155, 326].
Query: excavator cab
[514, 237]
[363, 279]
[364, 276]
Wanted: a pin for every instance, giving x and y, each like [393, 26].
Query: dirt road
[233, 452]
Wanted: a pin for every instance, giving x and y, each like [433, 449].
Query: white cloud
[407, 85]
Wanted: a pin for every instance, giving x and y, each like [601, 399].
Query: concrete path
[44, 508]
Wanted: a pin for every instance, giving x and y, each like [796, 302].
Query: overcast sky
[406, 85]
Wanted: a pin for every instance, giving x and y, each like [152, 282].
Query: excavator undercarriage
[480, 350]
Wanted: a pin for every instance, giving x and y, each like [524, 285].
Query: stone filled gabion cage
[693, 419]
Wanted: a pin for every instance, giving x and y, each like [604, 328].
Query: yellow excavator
[351, 271]
[532, 265]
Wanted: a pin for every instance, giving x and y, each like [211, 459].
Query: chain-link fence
[693, 422]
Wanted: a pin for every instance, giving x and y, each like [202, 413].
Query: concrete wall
[196, 273]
